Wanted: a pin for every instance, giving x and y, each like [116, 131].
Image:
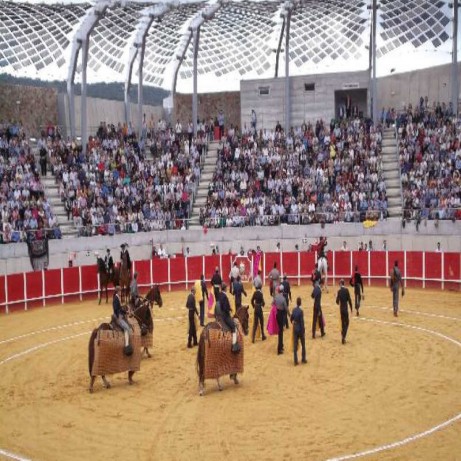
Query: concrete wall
[103, 110]
[36, 109]
[14, 257]
[208, 106]
[398, 90]
[395, 90]
[305, 105]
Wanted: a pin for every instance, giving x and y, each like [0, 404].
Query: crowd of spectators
[317, 173]
[25, 212]
[430, 162]
[115, 187]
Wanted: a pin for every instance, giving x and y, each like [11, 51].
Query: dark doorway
[351, 103]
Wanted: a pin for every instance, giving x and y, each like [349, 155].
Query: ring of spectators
[430, 162]
[115, 188]
[316, 173]
[24, 210]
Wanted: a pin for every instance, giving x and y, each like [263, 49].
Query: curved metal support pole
[279, 47]
[287, 73]
[196, 37]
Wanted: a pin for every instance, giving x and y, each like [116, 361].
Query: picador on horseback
[223, 313]
[109, 263]
[120, 318]
[125, 255]
[134, 292]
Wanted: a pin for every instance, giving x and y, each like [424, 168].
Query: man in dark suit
[191, 307]
[204, 299]
[299, 332]
[216, 282]
[257, 301]
[343, 298]
[357, 283]
[238, 290]
[287, 296]
[317, 311]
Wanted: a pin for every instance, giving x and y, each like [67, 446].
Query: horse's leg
[93, 378]
[201, 388]
[219, 384]
[233, 376]
[147, 352]
[130, 377]
[106, 383]
[100, 294]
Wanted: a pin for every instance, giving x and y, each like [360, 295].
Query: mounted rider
[125, 255]
[224, 312]
[315, 276]
[321, 248]
[134, 291]
[109, 263]
[120, 318]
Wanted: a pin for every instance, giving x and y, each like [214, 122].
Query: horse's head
[154, 296]
[143, 315]
[101, 265]
[243, 317]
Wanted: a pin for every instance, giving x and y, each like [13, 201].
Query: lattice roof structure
[239, 42]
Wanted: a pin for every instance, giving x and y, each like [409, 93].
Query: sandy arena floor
[393, 392]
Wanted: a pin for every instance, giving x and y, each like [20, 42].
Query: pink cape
[272, 325]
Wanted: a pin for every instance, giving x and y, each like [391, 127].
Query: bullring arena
[392, 392]
[285, 137]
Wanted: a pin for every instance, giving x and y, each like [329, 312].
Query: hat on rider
[108, 250]
[122, 245]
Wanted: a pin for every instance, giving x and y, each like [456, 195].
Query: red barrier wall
[429, 270]
[71, 283]
[160, 271]
[342, 264]
[452, 270]
[178, 273]
[433, 270]
[194, 268]
[15, 288]
[307, 262]
[378, 270]
[414, 269]
[143, 270]
[34, 288]
[2, 291]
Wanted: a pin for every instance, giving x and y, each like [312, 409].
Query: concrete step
[54, 200]
[207, 177]
[393, 183]
[390, 171]
[48, 180]
[200, 202]
[394, 201]
[393, 192]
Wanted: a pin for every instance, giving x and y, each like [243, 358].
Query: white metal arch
[137, 48]
[81, 42]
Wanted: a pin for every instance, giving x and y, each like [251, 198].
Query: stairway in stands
[206, 177]
[391, 173]
[52, 194]
[68, 229]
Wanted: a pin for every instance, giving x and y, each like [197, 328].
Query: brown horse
[214, 355]
[143, 315]
[125, 279]
[105, 278]
[106, 352]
